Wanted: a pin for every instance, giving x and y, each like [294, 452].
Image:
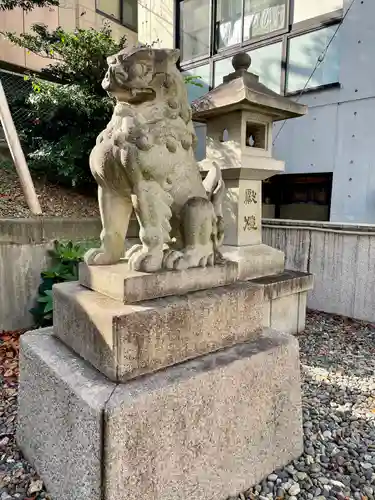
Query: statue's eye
[137, 70]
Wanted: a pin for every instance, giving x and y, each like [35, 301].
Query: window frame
[119, 21]
[291, 31]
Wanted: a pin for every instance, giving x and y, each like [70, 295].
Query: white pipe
[17, 155]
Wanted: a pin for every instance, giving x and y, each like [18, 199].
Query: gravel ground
[338, 365]
[338, 368]
[54, 200]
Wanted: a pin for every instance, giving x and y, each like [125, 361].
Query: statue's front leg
[115, 212]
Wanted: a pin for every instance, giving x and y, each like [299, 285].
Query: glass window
[201, 133]
[228, 23]
[129, 13]
[201, 84]
[222, 68]
[307, 9]
[109, 7]
[263, 17]
[194, 28]
[304, 51]
[266, 63]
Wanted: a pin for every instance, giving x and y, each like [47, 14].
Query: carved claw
[199, 256]
[203, 262]
[99, 257]
[143, 260]
[174, 260]
[132, 250]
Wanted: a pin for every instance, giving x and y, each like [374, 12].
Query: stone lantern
[239, 115]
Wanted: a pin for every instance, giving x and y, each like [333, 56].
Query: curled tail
[215, 189]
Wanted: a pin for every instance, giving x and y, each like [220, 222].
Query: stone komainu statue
[144, 160]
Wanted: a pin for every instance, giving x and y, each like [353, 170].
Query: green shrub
[61, 129]
[67, 108]
[64, 267]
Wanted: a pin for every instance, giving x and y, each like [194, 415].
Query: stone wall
[24, 245]
[341, 256]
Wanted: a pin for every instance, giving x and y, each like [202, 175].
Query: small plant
[64, 267]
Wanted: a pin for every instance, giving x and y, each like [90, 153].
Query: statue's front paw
[99, 257]
[141, 259]
[174, 260]
[199, 256]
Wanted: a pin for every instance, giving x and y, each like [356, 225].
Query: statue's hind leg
[198, 226]
[152, 207]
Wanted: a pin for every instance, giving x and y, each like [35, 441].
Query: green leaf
[49, 307]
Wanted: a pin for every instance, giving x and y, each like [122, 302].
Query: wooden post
[18, 157]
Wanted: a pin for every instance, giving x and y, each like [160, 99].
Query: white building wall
[338, 134]
[155, 22]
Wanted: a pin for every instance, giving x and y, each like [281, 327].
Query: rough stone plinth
[124, 341]
[254, 261]
[285, 296]
[202, 430]
[60, 417]
[121, 283]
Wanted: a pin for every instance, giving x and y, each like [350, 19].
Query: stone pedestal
[127, 340]
[204, 429]
[183, 396]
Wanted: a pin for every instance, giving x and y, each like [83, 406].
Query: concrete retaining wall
[341, 256]
[24, 245]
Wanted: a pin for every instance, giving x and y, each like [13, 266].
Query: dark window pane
[266, 63]
[304, 51]
[228, 23]
[194, 28]
[202, 78]
[109, 7]
[129, 13]
[263, 17]
[306, 10]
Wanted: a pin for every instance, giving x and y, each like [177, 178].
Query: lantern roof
[241, 90]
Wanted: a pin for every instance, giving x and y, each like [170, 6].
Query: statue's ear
[111, 60]
[174, 55]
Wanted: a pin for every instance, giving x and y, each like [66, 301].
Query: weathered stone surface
[302, 306]
[284, 313]
[285, 283]
[204, 429]
[60, 415]
[124, 341]
[25, 244]
[254, 261]
[208, 428]
[121, 283]
[144, 159]
[285, 294]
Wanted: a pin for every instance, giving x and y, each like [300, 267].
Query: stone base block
[121, 283]
[254, 261]
[203, 430]
[125, 341]
[285, 297]
[60, 417]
